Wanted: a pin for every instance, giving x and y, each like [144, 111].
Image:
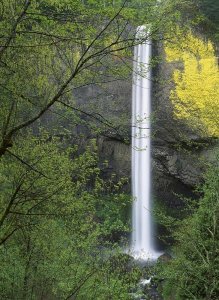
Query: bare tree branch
[11, 202]
[7, 139]
[27, 164]
[13, 32]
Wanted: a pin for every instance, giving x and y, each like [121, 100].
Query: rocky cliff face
[178, 153]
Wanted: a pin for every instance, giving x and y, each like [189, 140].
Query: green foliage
[193, 271]
[51, 49]
[191, 100]
[53, 237]
[58, 218]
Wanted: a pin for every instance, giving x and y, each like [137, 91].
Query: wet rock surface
[147, 289]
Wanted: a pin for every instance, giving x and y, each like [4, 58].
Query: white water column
[142, 245]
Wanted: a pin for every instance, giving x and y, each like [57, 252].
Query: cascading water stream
[142, 231]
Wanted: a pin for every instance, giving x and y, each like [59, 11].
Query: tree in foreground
[49, 49]
[193, 273]
[53, 234]
[56, 213]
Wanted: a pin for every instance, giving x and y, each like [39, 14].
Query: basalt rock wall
[179, 154]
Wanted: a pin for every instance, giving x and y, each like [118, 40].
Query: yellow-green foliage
[195, 97]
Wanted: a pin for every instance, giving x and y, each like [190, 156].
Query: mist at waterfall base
[142, 243]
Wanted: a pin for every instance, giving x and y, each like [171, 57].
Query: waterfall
[142, 244]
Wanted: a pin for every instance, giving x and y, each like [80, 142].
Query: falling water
[142, 244]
